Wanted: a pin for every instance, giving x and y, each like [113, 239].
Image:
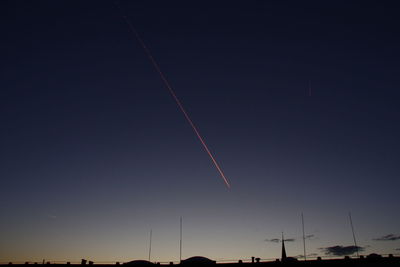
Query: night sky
[94, 152]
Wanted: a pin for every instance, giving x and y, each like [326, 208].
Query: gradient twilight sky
[95, 153]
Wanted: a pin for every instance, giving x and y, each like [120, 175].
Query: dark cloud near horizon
[277, 240]
[389, 237]
[308, 255]
[341, 250]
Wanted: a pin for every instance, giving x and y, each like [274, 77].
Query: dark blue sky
[95, 153]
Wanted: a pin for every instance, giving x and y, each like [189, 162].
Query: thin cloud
[389, 237]
[309, 237]
[51, 216]
[341, 250]
[277, 240]
[311, 255]
[273, 240]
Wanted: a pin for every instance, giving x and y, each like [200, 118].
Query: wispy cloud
[311, 255]
[309, 237]
[273, 240]
[389, 237]
[277, 240]
[341, 250]
[51, 216]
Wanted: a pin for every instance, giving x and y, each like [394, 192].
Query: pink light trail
[178, 102]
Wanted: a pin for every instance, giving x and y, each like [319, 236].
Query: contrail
[171, 91]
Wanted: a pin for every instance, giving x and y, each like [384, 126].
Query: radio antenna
[354, 236]
[304, 237]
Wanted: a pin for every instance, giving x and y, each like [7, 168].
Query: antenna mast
[354, 236]
[180, 241]
[151, 232]
[304, 237]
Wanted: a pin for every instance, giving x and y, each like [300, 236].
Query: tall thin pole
[304, 237]
[151, 233]
[180, 241]
[354, 236]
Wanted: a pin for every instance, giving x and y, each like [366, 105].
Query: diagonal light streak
[172, 92]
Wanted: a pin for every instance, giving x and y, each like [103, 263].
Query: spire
[283, 249]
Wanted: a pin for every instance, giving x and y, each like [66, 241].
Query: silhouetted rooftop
[198, 260]
[139, 263]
